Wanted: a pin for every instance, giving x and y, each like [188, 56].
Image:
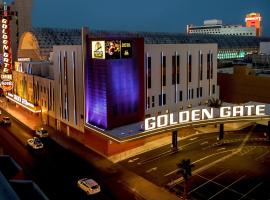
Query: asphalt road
[235, 168]
[53, 168]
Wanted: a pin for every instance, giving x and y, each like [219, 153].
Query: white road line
[209, 180]
[261, 156]
[251, 190]
[232, 190]
[191, 139]
[150, 170]
[207, 166]
[221, 149]
[133, 160]
[227, 187]
[201, 159]
[206, 142]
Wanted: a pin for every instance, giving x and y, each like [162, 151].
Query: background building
[254, 20]
[244, 85]
[216, 27]
[20, 22]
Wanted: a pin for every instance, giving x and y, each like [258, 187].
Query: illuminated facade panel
[254, 20]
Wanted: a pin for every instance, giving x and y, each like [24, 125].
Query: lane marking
[251, 190]
[220, 149]
[201, 159]
[209, 181]
[227, 187]
[232, 190]
[206, 142]
[133, 160]
[261, 156]
[205, 167]
[156, 157]
[151, 170]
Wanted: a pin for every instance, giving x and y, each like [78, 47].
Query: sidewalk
[119, 180]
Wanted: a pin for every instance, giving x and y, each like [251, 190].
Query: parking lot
[243, 176]
[234, 168]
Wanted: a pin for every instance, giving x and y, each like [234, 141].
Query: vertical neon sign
[6, 75]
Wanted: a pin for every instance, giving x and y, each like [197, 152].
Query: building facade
[179, 76]
[68, 88]
[216, 27]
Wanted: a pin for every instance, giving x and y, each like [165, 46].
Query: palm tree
[217, 103]
[185, 168]
[214, 102]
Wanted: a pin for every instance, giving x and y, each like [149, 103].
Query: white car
[35, 143]
[42, 133]
[6, 120]
[89, 186]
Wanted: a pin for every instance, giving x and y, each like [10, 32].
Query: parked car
[89, 186]
[6, 121]
[35, 143]
[42, 133]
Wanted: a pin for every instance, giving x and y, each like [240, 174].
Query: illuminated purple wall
[115, 89]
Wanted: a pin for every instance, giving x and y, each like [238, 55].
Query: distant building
[244, 85]
[216, 27]
[20, 12]
[265, 48]
[254, 20]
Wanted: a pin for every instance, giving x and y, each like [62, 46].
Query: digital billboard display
[126, 49]
[111, 49]
[98, 49]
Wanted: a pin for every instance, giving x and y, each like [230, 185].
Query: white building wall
[226, 30]
[68, 79]
[154, 51]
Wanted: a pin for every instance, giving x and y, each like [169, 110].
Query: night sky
[145, 15]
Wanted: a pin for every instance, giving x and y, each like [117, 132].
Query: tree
[185, 168]
[217, 103]
[214, 102]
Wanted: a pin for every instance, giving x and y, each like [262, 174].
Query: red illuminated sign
[6, 75]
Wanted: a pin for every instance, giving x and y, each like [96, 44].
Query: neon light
[14, 99]
[197, 115]
[6, 75]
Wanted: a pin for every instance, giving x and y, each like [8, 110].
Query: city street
[235, 168]
[53, 168]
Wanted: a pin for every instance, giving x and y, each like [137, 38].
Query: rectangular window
[208, 66]
[178, 69]
[164, 99]
[211, 65]
[173, 70]
[148, 102]
[201, 91]
[214, 89]
[198, 94]
[180, 96]
[201, 66]
[159, 100]
[189, 68]
[149, 77]
[192, 92]
[153, 101]
[65, 67]
[163, 70]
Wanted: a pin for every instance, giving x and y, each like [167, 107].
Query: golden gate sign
[6, 75]
[227, 112]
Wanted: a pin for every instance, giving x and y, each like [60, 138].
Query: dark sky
[145, 15]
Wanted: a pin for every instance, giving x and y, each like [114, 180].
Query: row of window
[176, 69]
[190, 95]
